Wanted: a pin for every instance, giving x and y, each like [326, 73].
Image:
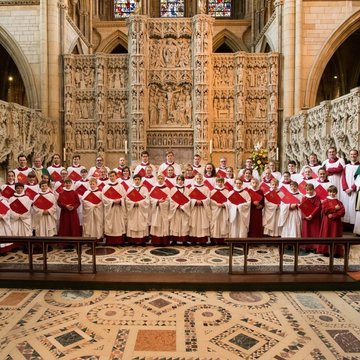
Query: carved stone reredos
[170, 91]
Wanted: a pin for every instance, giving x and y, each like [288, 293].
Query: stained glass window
[123, 8]
[172, 8]
[219, 8]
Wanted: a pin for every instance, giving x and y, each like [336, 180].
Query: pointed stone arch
[267, 42]
[339, 35]
[230, 39]
[19, 58]
[76, 44]
[112, 41]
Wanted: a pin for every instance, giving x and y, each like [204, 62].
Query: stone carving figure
[170, 53]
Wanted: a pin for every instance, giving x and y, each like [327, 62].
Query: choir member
[68, 201]
[170, 177]
[55, 168]
[149, 180]
[257, 204]
[311, 215]
[38, 168]
[170, 162]
[140, 169]
[74, 170]
[295, 176]
[94, 171]
[103, 178]
[290, 214]
[189, 176]
[93, 211]
[246, 178]
[115, 215]
[331, 226]
[45, 211]
[272, 210]
[219, 222]
[210, 175]
[313, 164]
[126, 181]
[121, 165]
[5, 225]
[8, 189]
[159, 212]
[179, 212]
[274, 172]
[334, 167]
[20, 216]
[348, 195]
[137, 202]
[22, 171]
[200, 211]
[239, 211]
[229, 178]
[249, 165]
[196, 166]
[221, 170]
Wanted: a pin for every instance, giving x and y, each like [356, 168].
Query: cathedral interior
[218, 78]
[209, 77]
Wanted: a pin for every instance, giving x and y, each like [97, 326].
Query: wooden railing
[44, 243]
[297, 243]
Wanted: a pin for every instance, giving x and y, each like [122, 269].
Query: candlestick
[277, 154]
[126, 148]
[211, 147]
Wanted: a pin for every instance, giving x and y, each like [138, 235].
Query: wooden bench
[45, 242]
[297, 243]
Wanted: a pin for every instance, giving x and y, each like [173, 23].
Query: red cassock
[69, 219]
[331, 227]
[255, 226]
[311, 228]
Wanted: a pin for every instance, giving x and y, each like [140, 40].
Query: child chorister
[179, 212]
[114, 211]
[239, 210]
[200, 211]
[159, 212]
[290, 214]
[219, 228]
[272, 210]
[68, 201]
[5, 224]
[20, 205]
[93, 211]
[137, 203]
[331, 226]
[45, 211]
[257, 204]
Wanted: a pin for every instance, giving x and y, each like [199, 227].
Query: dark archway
[12, 88]
[342, 72]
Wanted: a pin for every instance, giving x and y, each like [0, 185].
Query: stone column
[288, 52]
[240, 103]
[138, 55]
[54, 68]
[298, 57]
[202, 50]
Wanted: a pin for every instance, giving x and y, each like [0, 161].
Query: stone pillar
[240, 106]
[138, 55]
[54, 68]
[298, 57]
[288, 52]
[202, 50]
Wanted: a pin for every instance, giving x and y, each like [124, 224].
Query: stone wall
[170, 92]
[332, 123]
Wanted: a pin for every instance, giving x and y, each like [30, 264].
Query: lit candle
[210, 147]
[126, 148]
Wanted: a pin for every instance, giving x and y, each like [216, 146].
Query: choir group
[163, 206]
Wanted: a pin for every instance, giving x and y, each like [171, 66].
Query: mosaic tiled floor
[79, 324]
[179, 259]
